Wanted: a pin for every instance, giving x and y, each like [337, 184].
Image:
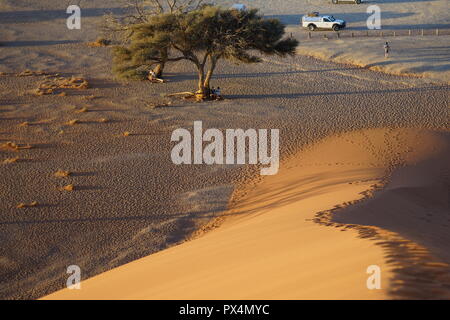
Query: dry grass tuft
[51, 75]
[29, 73]
[11, 145]
[103, 120]
[159, 105]
[24, 124]
[100, 42]
[11, 160]
[15, 147]
[73, 122]
[82, 110]
[126, 133]
[62, 173]
[43, 92]
[25, 205]
[74, 83]
[52, 85]
[69, 187]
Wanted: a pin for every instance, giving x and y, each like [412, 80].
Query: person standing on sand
[386, 50]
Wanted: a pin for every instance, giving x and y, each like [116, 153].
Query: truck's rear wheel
[336, 27]
[312, 27]
[358, 1]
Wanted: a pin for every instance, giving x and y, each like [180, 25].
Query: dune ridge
[272, 243]
[409, 216]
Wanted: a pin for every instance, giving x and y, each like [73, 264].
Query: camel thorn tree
[203, 37]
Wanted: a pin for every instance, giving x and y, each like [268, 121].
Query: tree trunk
[202, 92]
[159, 70]
[207, 82]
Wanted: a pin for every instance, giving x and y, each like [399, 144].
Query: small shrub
[62, 173]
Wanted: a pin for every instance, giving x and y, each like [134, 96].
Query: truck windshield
[331, 18]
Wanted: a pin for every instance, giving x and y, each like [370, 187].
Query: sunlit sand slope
[274, 244]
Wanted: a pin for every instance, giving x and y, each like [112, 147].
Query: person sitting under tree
[153, 78]
[217, 93]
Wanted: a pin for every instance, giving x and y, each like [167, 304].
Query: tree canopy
[141, 11]
[121, 27]
[203, 37]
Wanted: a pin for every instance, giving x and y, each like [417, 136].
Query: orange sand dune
[269, 246]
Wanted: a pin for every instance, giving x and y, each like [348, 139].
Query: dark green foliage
[203, 37]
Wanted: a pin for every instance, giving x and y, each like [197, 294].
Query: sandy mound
[423, 57]
[415, 204]
[271, 247]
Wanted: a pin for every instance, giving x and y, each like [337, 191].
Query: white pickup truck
[315, 21]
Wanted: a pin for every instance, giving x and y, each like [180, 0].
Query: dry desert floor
[361, 151]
